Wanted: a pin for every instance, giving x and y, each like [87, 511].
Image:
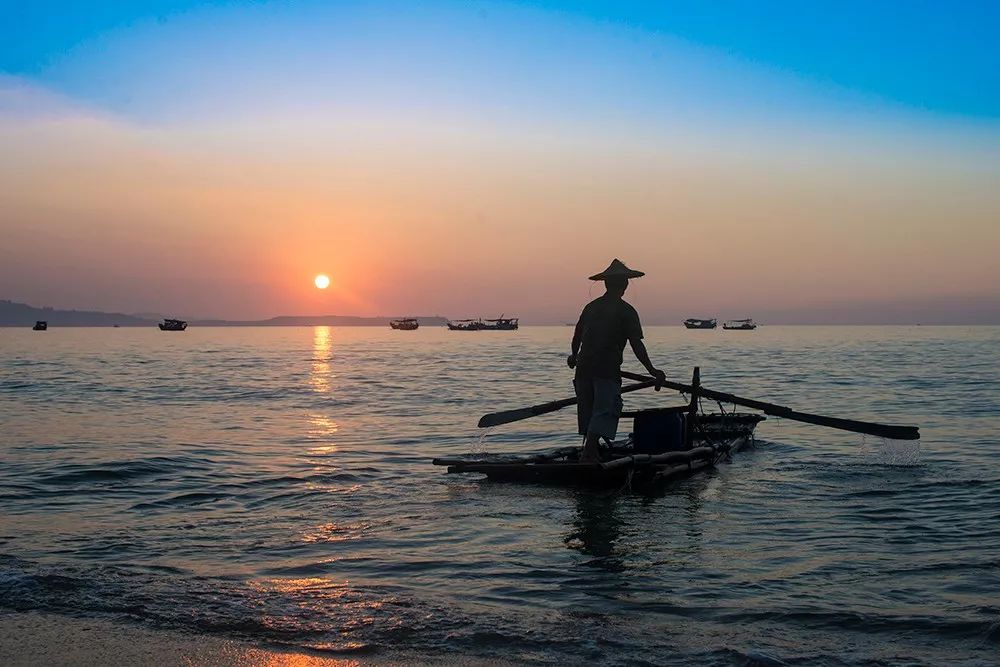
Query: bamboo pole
[892, 431]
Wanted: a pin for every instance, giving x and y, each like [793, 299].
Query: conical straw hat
[617, 269]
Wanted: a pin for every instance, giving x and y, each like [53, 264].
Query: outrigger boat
[696, 323]
[665, 443]
[405, 324]
[40, 325]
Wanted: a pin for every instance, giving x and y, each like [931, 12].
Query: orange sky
[435, 211]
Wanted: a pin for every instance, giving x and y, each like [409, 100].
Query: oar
[508, 416]
[870, 428]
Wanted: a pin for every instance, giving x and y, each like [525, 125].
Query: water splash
[890, 452]
[479, 446]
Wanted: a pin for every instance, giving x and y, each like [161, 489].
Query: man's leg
[604, 419]
[591, 453]
[583, 385]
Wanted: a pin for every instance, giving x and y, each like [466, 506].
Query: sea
[274, 485]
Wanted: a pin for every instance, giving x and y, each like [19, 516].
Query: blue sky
[934, 57]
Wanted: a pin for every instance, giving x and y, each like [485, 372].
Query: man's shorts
[598, 405]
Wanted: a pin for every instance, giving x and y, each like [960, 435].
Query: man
[598, 341]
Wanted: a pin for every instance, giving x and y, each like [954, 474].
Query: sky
[823, 162]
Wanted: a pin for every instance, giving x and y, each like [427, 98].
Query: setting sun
[322, 281]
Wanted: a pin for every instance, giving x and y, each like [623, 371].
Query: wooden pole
[692, 414]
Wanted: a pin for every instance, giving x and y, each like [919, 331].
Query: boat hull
[635, 473]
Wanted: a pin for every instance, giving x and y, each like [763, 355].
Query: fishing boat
[405, 324]
[40, 325]
[665, 443]
[500, 324]
[696, 323]
[465, 325]
[740, 325]
[172, 325]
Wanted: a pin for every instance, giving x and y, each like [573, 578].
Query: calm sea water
[275, 484]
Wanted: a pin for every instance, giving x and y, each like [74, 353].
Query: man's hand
[659, 375]
[571, 361]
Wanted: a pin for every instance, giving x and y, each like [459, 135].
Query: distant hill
[13, 314]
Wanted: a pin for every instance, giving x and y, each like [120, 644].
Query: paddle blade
[890, 431]
[505, 417]
[508, 416]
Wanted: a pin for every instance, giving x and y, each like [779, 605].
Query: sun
[321, 281]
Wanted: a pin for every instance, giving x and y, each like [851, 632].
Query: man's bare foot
[590, 453]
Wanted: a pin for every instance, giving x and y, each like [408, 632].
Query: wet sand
[32, 639]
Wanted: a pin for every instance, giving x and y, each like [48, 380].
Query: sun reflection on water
[322, 370]
[326, 598]
[334, 532]
[256, 657]
[322, 428]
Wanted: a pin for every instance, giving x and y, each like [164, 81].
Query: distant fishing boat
[405, 324]
[740, 325]
[696, 323]
[172, 325]
[500, 324]
[465, 325]
[40, 325]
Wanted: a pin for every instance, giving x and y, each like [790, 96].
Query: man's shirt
[605, 325]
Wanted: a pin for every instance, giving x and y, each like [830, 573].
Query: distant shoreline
[256, 325]
[15, 315]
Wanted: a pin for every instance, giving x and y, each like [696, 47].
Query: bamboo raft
[713, 439]
[665, 443]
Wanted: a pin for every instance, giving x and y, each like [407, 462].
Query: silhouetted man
[604, 326]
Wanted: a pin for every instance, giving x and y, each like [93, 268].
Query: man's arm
[634, 329]
[639, 348]
[575, 345]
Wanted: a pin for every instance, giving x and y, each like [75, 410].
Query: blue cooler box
[659, 431]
